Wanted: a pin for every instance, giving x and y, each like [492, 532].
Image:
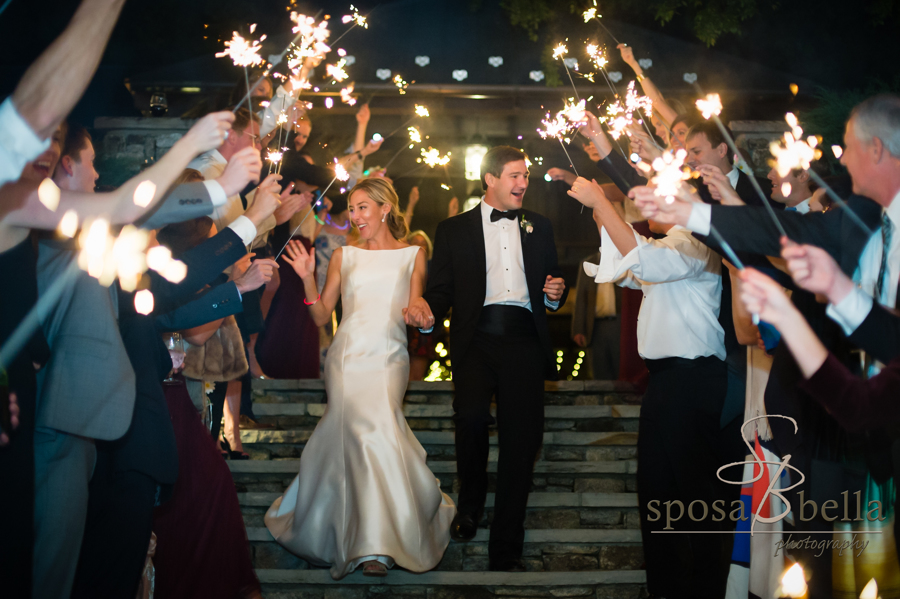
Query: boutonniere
[527, 225]
[208, 387]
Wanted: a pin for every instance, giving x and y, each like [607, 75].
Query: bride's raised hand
[303, 262]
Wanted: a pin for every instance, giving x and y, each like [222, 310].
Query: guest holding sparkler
[684, 349]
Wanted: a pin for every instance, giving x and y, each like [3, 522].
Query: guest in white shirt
[794, 190]
[683, 345]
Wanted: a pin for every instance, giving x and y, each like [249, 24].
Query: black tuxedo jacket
[149, 445]
[457, 278]
[750, 229]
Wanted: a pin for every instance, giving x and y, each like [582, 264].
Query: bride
[364, 495]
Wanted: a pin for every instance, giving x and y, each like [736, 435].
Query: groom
[496, 266]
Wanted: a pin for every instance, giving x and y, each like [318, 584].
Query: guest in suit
[875, 170]
[596, 324]
[136, 472]
[683, 345]
[86, 391]
[500, 338]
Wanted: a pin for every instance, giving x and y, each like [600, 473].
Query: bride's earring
[383, 216]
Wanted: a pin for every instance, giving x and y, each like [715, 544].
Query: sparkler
[48, 194]
[559, 52]
[421, 111]
[336, 71]
[357, 19]
[558, 127]
[711, 106]
[401, 84]
[340, 174]
[415, 137]
[591, 14]
[244, 53]
[346, 95]
[796, 153]
[432, 157]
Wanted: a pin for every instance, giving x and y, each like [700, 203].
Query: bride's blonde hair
[381, 192]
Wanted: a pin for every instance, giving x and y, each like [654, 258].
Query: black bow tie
[497, 215]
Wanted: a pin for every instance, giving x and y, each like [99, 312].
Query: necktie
[790, 209]
[497, 215]
[886, 233]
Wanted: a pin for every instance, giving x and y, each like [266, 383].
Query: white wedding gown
[364, 491]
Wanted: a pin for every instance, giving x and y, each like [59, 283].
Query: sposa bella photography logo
[849, 509]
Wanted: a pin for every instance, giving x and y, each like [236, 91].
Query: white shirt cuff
[700, 219]
[19, 144]
[245, 229]
[216, 192]
[549, 304]
[851, 311]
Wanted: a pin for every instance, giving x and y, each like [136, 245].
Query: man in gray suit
[596, 324]
[86, 391]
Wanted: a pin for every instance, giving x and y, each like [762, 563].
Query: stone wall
[126, 145]
[754, 137]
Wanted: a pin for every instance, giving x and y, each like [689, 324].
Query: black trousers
[505, 360]
[117, 531]
[679, 451]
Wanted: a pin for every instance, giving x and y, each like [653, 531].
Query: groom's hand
[554, 288]
[418, 314]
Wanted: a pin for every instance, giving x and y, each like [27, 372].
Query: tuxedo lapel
[476, 245]
[529, 258]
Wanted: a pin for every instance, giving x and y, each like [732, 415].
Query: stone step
[563, 536]
[261, 436]
[463, 579]
[446, 411]
[624, 500]
[292, 467]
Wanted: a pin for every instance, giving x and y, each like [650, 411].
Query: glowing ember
[244, 53]
[68, 226]
[793, 583]
[710, 105]
[347, 95]
[144, 193]
[355, 17]
[401, 84]
[143, 302]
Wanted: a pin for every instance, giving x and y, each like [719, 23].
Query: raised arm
[591, 195]
[660, 107]
[118, 206]
[52, 85]
[362, 121]
[304, 264]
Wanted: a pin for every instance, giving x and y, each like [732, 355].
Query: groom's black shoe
[463, 528]
[509, 564]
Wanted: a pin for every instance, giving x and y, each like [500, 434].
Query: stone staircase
[582, 534]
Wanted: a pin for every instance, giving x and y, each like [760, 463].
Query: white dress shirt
[230, 211]
[19, 145]
[733, 176]
[853, 309]
[802, 207]
[505, 265]
[682, 284]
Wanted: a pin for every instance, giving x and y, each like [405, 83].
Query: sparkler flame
[48, 194]
[274, 156]
[414, 135]
[559, 51]
[793, 152]
[432, 157]
[347, 95]
[340, 172]
[793, 583]
[401, 84]
[244, 53]
[670, 172]
[595, 53]
[422, 111]
[710, 105]
[620, 116]
[68, 226]
[355, 17]
[144, 193]
[589, 14]
[336, 71]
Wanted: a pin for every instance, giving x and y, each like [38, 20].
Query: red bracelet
[312, 303]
